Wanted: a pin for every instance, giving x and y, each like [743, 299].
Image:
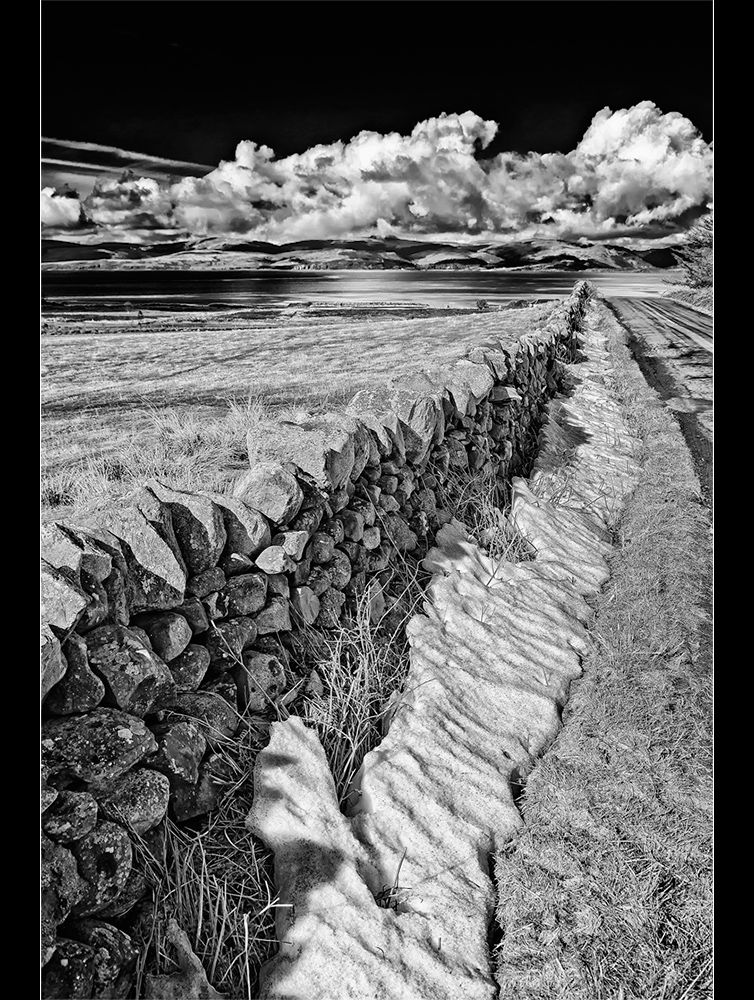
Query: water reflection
[181, 289]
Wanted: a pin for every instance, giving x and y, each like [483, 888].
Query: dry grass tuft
[363, 665]
[216, 882]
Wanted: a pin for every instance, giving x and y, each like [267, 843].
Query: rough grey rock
[244, 595]
[96, 747]
[277, 584]
[225, 686]
[198, 526]
[305, 604]
[302, 571]
[136, 679]
[193, 611]
[372, 538]
[188, 984]
[62, 547]
[218, 717]
[104, 857]
[234, 563]
[138, 800]
[321, 446]
[71, 816]
[52, 663]
[274, 559]
[330, 608]
[80, 690]
[169, 632]
[334, 528]
[61, 601]
[319, 580]
[292, 542]
[97, 611]
[189, 668]
[156, 572]
[226, 641]
[190, 801]
[340, 569]
[69, 975]
[247, 530]
[205, 583]
[323, 546]
[307, 520]
[398, 532]
[181, 747]
[62, 887]
[272, 490]
[275, 617]
[353, 525]
[115, 957]
[374, 408]
[260, 681]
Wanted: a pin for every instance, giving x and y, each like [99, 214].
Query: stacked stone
[174, 614]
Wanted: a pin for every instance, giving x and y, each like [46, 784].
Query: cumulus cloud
[60, 208]
[633, 168]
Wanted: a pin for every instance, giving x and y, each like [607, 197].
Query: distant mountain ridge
[371, 253]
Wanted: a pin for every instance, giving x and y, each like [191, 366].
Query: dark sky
[188, 80]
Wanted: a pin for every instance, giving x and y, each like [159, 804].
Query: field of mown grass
[138, 399]
[607, 893]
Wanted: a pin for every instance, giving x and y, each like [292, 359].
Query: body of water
[94, 291]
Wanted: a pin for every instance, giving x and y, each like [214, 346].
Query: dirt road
[673, 345]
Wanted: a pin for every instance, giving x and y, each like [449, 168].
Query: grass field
[136, 399]
[607, 894]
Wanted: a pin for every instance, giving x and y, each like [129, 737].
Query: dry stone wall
[173, 615]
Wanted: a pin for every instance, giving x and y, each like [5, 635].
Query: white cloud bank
[633, 168]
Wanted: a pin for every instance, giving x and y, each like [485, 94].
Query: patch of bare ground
[607, 892]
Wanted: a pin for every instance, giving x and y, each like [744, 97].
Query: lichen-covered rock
[225, 686]
[96, 747]
[198, 526]
[71, 816]
[53, 663]
[323, 545]
[398, 532]
[62, 602]
[330, 608]
[136, 889]
[374, 408]
[334, 528]
[234, 563]
[69, 975]
[189, 801]
[319, 580]
[193, 611]
[114, 958]
[292, 542]
[189, 668]
[272, 490]
[62, 888]
[138, 800]
[321, 446]
[243, 595]
[104, 857]
[181, 747]
[169, 632]
[340, 569]
[62, 546]
[372, 538]
[135, 678]
[226, 641]
[156, 572]
[278, 585]
[206, 583]
[97, 611]
[260, 681]
[247, 530]
[353, 525]
[47, 794]
[305, 604]
[218, 717]
[275, 617]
